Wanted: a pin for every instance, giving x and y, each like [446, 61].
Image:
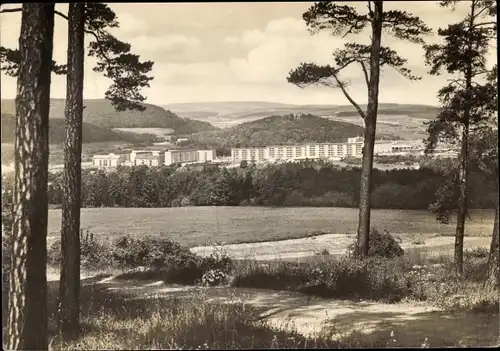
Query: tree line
[291, 184]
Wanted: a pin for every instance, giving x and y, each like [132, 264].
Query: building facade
[188, 156]
[107, 161]
[334, 151]
[206, 155]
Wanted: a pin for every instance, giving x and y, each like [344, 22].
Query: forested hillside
[101, 113]
[91, 133]
[276, 130]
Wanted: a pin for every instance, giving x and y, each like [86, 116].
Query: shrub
[478, 252]
[94, 253]
[373, 278]
[381, 244]
[178, 263]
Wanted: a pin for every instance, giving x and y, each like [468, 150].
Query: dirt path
[336, 244]
[411, 323]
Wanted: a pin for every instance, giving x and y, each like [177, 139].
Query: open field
[403, 126]
[197, 226]
[160, 132]
[334, 244]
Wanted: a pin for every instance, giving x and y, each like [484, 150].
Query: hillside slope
[101, 113]
[275, 130]
[228, 114]
[91, 133]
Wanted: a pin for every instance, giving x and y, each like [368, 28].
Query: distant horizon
[248, 101]
[221, 52]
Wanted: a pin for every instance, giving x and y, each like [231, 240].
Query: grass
[120, 321]
[230, 225]
[416, 277]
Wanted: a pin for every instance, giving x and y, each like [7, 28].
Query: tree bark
[462, 199]
[69, 288]
[27, 311]
[493, 277]
[464, 159]
[370, 131]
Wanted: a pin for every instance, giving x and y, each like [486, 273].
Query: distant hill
[231, 113]
[91, 133]
[101, 113]
[275, 130]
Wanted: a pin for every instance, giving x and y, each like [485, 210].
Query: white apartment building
[334, 151]
[206, 155]
[107, 161]
[135, 153]
[188, 156]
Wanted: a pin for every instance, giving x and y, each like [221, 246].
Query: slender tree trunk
[370, 129]
[27, 311]
[462, 200]
[493, 277]
[69, 288]
[463, 161]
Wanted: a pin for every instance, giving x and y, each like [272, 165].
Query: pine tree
[27, 316]
[343, 20]
[466, 99]
[129, 75]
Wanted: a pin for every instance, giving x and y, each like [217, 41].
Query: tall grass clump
[381, 276]
[347, 278]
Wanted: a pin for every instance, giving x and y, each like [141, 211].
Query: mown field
[196, 226]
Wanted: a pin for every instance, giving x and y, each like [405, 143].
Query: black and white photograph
[249, 175]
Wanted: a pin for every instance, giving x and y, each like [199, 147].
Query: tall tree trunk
[370, 130]
[69, 288]
[493, 278]
[464, 158]
[462, 200]
[27, 311]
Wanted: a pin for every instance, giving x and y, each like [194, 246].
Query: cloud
[242, 51]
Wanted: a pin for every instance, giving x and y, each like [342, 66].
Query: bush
[373, 278]
[478, 252]
[176, 262]
[381, 244]
[94, 253]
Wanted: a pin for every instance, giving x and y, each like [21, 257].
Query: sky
[242, 52]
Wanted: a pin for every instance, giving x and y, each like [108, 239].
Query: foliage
[469, 99]
[372, 278]
[343, 20]
[156, 255]
[128, 74]
[291, 184]
[94, 252]
[381, 244]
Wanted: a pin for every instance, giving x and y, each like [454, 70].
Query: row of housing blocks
[152, 158]
[334, 151]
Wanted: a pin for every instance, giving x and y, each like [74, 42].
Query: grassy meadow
[195, 226]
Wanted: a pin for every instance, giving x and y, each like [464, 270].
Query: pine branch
[116, 62]
[365, 73]
[341, 85]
